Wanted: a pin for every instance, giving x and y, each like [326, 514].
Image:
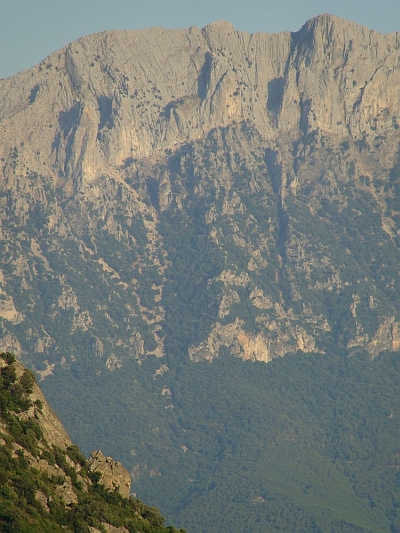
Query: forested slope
[305, 443]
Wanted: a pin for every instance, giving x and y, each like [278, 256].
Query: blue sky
[30, 30]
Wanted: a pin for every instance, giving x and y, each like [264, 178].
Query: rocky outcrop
[387, 337]
[109, 529]
[113, 474]
[54, 436]
[253, 347]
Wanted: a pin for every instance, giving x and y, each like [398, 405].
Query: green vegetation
[191, 294]
[305, 443]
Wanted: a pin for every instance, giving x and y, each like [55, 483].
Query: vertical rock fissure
[275, 172]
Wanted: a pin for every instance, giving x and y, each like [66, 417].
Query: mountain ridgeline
[171, 197]
[182, 192]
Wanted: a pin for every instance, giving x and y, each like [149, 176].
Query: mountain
[254, 177]
[171, 197]
[47, 485]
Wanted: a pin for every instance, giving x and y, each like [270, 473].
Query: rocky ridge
[278, 157]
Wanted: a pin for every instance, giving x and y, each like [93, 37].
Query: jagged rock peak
[222, 28]
[223, 25]
[335, 36]
[329, 22]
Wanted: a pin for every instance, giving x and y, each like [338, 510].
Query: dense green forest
[305, 443]
[30, 499]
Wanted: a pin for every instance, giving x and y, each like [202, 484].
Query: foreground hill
[47, 485]
[193, 196]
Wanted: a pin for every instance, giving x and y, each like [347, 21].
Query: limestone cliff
[194, 191]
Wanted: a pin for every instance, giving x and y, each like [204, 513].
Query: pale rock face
[249, 346]
[254, 348]
[113, 362]
[113, 475]
[109, 137]
[7, 309]
[386, 338]
[259, 300]
[66, 492]
[136, 99]
[9, 343]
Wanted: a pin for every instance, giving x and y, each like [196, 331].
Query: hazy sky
[30, 30]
